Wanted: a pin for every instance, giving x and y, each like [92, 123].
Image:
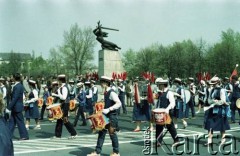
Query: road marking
[90, 140]
[47, 144]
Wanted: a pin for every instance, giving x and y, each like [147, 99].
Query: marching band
[219, 99]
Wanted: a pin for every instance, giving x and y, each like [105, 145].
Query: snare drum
[238, 103]
[99, 121]
[99, 106]
[55, 111]
[160, 117]
[40, 102]
[50, 100]
[72, 105]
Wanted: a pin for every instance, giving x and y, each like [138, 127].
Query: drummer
[63, 97]
[216, 119]
[112, 103]
[32, 111]
[45, 95]
[81, 98]
[165, 100]
[180, 108]
[235, 97]
[202, 95]
[54, 87]
[191, 102]
[72, 89]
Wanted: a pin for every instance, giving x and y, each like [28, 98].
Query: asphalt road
[131, 143]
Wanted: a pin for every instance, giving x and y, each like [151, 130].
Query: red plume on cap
[148, 76]
[124, 76]
[113, 75]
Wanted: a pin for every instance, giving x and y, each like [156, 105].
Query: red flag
[150, 94]
[233, 73]
[136, 94]
[152, 78]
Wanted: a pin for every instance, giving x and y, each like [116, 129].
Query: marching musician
[54, 88]
[129, 93]
[32, 111]
[89, 97]
[191, 103]
[94, 91]
[71, 89]
[235, 96]
[228, 87]
[165, 100]
[217, 115]
[112, 103]
[141, 107]
[81, 98]
[89, 100]
[121, 95]
[201, 95]
[45, 96]
[63, 96]
[180, 108]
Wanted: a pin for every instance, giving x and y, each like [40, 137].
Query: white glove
[7, 114]
[7, 111]
[106, 111]
[56, 95]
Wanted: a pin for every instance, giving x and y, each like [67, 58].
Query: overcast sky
[38, 25]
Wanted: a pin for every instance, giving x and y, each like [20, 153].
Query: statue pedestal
[109, 62]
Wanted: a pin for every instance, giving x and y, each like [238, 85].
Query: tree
[129, 62]
[56, 62]
[78, 48]
[14, 63]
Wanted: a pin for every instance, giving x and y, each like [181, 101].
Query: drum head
[187, 95]
[54, 105]
[238, 103]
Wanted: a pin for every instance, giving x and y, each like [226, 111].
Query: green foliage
[186, 58]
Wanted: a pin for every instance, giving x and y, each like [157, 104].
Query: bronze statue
[100, 38]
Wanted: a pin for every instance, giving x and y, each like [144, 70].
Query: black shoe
[40, 119]
[84, 124]
[159, 144]
[22, 139]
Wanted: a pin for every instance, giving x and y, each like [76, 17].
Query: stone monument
[109, 57]
[109, 62]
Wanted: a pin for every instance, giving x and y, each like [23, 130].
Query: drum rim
[54, 105]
